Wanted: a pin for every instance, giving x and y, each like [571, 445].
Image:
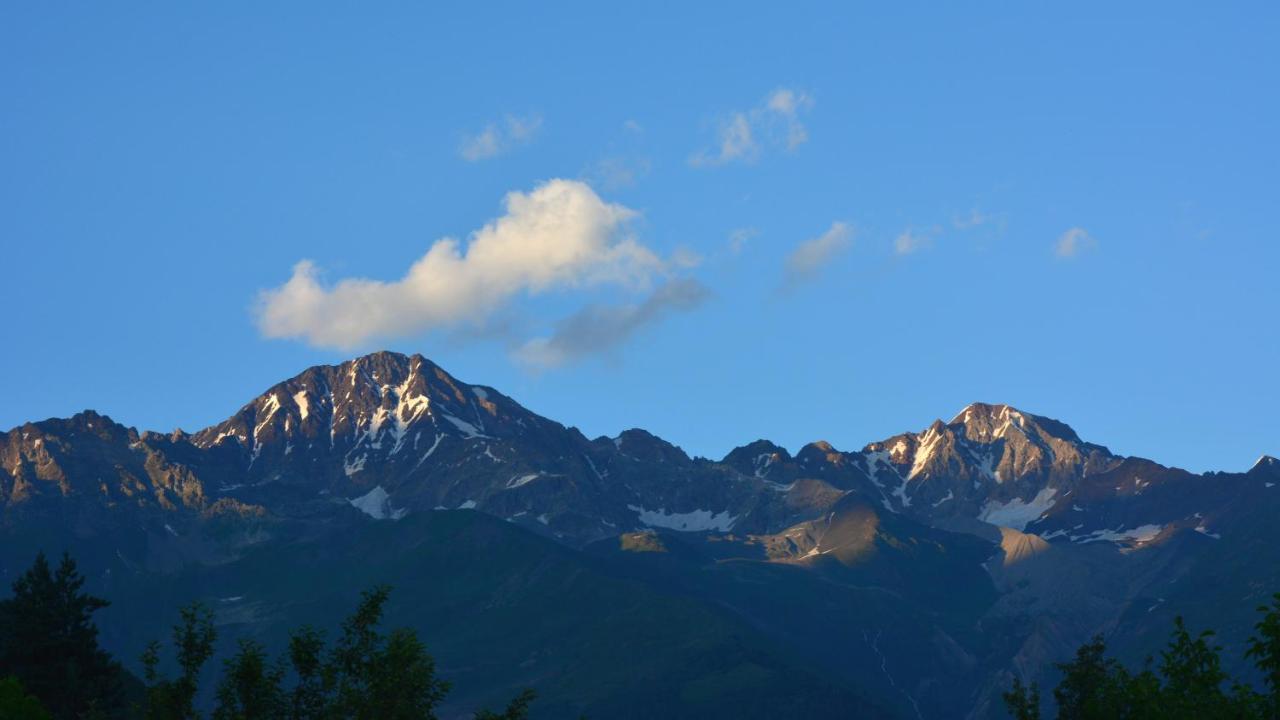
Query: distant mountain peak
[380, 402]
[756, 458]
[985, 422]
[982, 410]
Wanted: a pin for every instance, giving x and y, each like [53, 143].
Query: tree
[16, 704]
[1193, 677]
[250, 686]
[1023, 702]
[1264, 650]
[366, 675]
[1191, 684]
[517, 709]
[309, 698]
[382, 677]
[1092, 686]
[48, 641]
[193, 638]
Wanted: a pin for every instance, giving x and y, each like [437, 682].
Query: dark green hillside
[894, 607]
[500, 609]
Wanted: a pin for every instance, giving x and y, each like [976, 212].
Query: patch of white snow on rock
[1018, 513]
[1138, 536]
[468, 430]
[693, 521]
[377, 504]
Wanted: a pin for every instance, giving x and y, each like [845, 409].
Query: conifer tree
[48, 641]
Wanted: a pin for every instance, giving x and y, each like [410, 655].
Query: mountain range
[914, 577]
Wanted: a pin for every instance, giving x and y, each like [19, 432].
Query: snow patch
[1204, 530]
[1018, 513]
[468, 430]
[1137, 536]
[521, 480]
[873, 459]
[377, 504]
[925, 452]
[430, 450]
[594, 469]
[351, 468]
[300, 399]
[270, 406]
[987, 466]
[762, 464]
[693, 521]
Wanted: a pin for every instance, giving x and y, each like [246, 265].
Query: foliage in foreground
[51, 667]
[365, 675]
[1188, 684]
[49, 645]
[16, 704]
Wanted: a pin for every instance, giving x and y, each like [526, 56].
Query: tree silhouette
[48, 641]
[1190, 683]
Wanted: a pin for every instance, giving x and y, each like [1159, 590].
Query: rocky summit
[909, 578]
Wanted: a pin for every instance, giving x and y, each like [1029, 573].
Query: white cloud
[910, 241]
[1073, 242]
[812, 255]
[742, 135]
[497, 138]
[600, 328]
[559, 235]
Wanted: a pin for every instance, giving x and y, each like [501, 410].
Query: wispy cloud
[811, 256]
[560, 235]
[616, 172]
[972, 219]
[739, 238]
[601, 328]
[742, 135]
[788, 104]
[1073, 242]
[911, 241]
[736, 141]
[497, 138]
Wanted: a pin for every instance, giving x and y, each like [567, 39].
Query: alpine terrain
[914, 577]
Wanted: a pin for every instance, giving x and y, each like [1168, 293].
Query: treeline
[1188, 684]
[51, 667]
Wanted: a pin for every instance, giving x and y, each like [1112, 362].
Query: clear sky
[729, 221]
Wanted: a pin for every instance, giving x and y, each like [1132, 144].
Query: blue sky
[835, 222]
